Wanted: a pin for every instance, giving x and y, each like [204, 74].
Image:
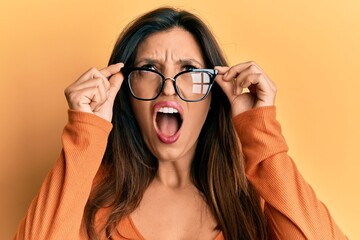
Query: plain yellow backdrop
[311, 49]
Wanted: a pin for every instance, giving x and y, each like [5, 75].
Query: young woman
[165, 144]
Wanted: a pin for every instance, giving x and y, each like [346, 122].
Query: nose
[169, 87]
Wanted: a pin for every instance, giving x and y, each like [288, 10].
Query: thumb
[226, 86]
[115, 81]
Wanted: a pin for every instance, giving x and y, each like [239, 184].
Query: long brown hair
[218, 167]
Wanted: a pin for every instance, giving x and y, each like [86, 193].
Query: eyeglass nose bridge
[164, 82]
[169, 78]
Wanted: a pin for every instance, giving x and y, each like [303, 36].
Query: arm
[56, 213]
[57, 210]
[291, 206]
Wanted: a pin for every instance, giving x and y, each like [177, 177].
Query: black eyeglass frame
[211, 72]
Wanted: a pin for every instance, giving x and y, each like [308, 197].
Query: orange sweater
[291, 207]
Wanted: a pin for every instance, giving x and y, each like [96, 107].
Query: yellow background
[311, 49]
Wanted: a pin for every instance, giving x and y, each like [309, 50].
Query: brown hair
[217, 170]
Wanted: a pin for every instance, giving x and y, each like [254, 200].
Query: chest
[174, 215]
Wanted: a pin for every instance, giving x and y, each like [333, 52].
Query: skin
[233, 80]
[171, 52]
[181, 212]
[184, 213]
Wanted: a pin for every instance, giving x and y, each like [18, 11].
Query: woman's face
[169, 135]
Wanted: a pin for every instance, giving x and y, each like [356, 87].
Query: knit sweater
[290, 205]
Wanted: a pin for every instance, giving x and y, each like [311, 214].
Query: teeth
[168, 110]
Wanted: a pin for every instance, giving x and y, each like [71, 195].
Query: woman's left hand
[249, 75]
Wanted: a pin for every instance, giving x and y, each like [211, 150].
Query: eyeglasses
[191, 85]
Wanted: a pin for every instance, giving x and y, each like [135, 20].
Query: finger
[228, 87]
[81, 99]
[253, 79]
[93, 82]
[101, 96]
[234, 71]
[89, 74]
[260, 86]
[222, 69]
[255, 82]
[96, 97]
[255, 76]
[111, 69]
[105, 81]
[115, 81]
[103, 73]
[242, 76]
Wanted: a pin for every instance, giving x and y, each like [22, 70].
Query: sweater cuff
[243, 119]
[90, 119]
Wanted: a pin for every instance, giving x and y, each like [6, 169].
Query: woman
[170, 165]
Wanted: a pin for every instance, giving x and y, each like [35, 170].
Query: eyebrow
[147, 61]
[185, 61]
[190, 61]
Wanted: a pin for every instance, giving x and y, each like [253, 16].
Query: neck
[173, 175]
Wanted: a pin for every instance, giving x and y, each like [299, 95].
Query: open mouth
[168, 121]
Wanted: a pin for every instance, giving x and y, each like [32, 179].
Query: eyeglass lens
[190, 85]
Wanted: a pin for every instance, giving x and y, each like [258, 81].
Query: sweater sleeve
[57, 211]
[291, 206]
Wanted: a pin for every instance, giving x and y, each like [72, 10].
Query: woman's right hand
[95, 91]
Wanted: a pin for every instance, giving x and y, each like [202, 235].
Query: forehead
[175, 43]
